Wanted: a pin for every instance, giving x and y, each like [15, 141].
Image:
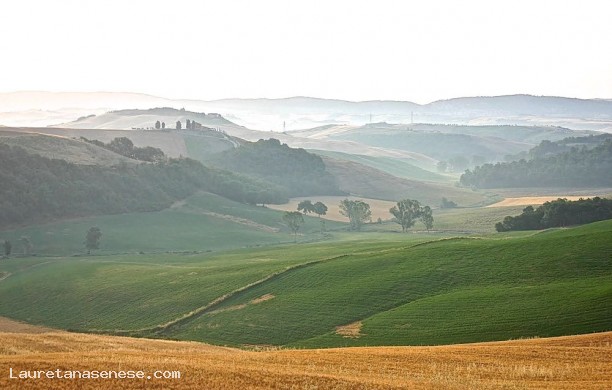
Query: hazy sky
[357, 50]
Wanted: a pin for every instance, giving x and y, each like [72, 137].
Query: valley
[198, 255]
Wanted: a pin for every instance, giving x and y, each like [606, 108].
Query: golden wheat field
[534, 200]
[572, 362]
[379, 208]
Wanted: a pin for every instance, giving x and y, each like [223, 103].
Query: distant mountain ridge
[526, 105]
[305, 112]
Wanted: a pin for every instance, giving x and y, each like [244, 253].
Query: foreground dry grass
[575, 362]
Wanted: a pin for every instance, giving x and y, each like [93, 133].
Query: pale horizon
[294, 96]
[357, 51]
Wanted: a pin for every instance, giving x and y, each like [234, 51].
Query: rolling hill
[365, 181]
[172, 143]
[396, 166]
[202, 222]
[299, 172]
[45, 108]
[144, 119]
[435, 144]
[403, 290]
[68, 149]
[178, 260]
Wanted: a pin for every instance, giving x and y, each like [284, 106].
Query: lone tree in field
[319, 208]
[157, 125]
[178, 125]
[294, 220]
[407, 211]
[7, 248]
[427, 217]
[306, 207]
[92, 239]
[357, 211]
[188, 124]
[163, 125]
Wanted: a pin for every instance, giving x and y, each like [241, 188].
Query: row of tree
[189, 125]
[406, 212]
[558, 213]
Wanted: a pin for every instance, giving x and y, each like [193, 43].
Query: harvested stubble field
[571, 362]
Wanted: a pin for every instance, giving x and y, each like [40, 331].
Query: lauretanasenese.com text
[92, 374]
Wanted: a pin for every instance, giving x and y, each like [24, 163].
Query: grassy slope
[436, 145]
[177, 229]
[125, 292]
[71, 150]
[202, 146]
[450, 291]
[471, 220]
[393, 166]
[528, 134]
[135, 291]
[362, 180]
[171, 142]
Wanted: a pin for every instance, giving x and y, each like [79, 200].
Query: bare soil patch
[263, 298]
[351, 331]
[255, 301]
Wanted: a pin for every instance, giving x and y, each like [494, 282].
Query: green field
[405, 289]
[476, 220]
[203, 222]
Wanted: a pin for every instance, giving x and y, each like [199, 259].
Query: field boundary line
[158, 329]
